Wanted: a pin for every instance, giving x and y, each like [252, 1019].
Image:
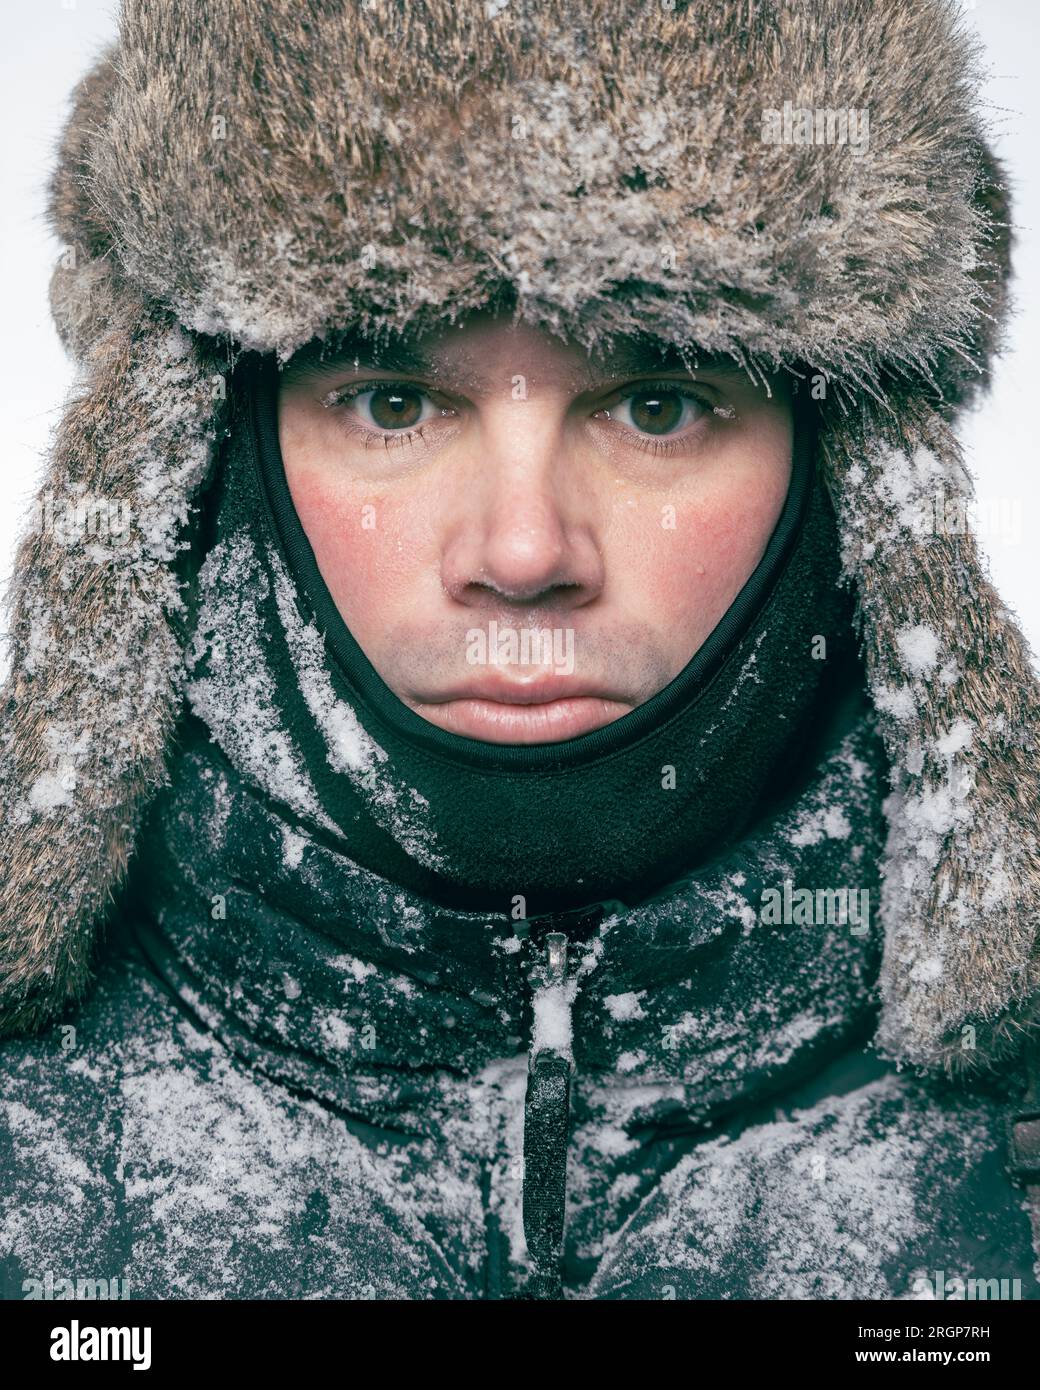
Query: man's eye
[390, 407]
[658, 411]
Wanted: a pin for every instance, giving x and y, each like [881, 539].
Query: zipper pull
[552, 999]
[551, 966]
[556, 942]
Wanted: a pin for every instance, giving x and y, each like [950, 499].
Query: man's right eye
[387, 406]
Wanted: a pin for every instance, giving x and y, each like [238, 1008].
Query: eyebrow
[628, 357]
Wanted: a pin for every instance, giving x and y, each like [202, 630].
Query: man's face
[525, 542]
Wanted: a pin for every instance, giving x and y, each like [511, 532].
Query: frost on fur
[91, 697]
[951, 680]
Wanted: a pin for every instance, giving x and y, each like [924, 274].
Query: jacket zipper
[547, 1118]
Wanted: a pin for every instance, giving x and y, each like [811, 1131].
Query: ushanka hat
[800, 186]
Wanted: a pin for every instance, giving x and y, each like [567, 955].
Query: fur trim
[958, 708]
[96, 665]
[262, 174]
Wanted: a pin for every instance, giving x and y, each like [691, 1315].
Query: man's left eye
[658, 411]
[393, 407]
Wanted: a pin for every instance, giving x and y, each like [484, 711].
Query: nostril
[495, 594]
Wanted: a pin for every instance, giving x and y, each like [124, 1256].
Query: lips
[547, 709]
[538, 690]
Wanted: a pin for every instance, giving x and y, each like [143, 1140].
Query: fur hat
[803, 186]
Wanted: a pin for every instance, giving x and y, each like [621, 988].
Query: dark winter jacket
[300, 1061]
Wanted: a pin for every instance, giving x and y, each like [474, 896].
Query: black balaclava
[613, 814]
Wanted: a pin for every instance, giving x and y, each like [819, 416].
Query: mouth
[545, 710]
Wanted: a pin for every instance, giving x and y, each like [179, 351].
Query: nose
[523, 532]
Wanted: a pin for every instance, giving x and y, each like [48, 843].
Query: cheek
[686, 576]
[368, 548]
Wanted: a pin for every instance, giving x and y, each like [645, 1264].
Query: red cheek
[312, 495]
[694, 572]
[367, 547]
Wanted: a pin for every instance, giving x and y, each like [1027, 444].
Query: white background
[50, 44]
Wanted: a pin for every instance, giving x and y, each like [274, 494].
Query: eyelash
[395, 439]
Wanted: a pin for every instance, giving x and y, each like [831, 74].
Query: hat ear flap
[93, 688]
[957, 702]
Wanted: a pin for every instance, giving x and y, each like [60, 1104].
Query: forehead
[476, 352]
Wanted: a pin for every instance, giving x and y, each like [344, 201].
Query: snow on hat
[801, 186]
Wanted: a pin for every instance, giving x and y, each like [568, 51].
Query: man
[516, 877]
